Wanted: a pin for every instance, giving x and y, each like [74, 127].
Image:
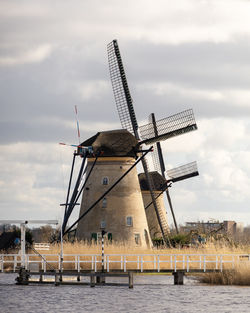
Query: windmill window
[104, 203]
[137, 239]
[110, 236]
[103, 224]
[129, 221]
[105, 181]
[94, 236]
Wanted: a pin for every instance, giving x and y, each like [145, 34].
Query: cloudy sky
[177, 55]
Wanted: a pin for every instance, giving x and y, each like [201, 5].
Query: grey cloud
[208, 65]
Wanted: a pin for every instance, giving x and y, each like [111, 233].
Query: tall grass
[240, 275]
[84, 247]
[115, 250]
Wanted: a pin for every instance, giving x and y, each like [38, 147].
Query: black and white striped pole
[101, 278]
[103, 233]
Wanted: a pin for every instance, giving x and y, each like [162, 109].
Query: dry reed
[240, 275]
[115, 250]
[84, 247]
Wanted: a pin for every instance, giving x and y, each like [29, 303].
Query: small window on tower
[105, 181]
[104, 203]
[137, 239]
[103, 224]
[110, 236]
[94, 236]
[129, 221]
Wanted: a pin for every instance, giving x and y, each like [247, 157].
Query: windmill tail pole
[86, 180]
[162, 166]
[70, 180]
[146, 207]
[73, 197]
[170, 204]
[105, 193]
[164, 235]
[172, 211]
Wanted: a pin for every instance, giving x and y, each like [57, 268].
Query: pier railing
[125, 262]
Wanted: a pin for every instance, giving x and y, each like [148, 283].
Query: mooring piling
[179, 277]
[130, 280]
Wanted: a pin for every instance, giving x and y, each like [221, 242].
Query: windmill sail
[126, 111]
[121, 91]
[183, 172]
[168, 127]
[158, 162]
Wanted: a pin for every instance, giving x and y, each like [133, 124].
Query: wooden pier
[26, 277]
[113, 265]
[58, 278]
[124, 262]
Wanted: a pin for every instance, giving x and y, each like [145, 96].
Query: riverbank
[239, 276]
[83, 247]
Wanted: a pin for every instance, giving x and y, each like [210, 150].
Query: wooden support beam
[179, 277]
[130, 280]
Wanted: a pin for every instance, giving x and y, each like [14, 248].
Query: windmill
[108, 177]
[176, 174]
[151, 133]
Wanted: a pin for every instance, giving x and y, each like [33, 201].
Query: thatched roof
[113, 143]
[157, 179]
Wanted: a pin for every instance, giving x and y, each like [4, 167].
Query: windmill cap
[113, 143]
[157, 179]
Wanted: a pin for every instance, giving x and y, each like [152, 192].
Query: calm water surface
[150, 294]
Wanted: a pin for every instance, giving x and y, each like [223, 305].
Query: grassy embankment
[239, 276]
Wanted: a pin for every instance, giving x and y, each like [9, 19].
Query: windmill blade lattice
[183, 172]
[121, 91]
[168, 127]
[155, 159]
[156, 147]
[126, 112]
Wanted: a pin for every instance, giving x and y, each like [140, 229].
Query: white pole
[23, 244]
[61, 254]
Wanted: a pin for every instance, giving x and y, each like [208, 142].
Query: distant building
[229, 227]
[7, 228]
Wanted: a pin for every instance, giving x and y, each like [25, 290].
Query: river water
[150, 294]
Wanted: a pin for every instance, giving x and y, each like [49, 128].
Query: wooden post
[92, 280]
[60, 276]
[23, 278]
[130, 280]
[2, 262]
[41, 277]
[57, 279]
[100, 279]
[15, 263]
[178, 277]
